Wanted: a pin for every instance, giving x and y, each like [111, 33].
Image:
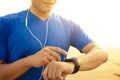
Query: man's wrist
[76, 64]
[28, 61]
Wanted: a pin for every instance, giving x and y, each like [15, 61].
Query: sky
[100, 19]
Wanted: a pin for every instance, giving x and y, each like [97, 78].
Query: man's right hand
[46, 55]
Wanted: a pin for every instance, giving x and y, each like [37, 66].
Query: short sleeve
[3, 39]
[79, 38]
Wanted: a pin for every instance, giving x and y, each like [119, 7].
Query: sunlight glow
[99, 18]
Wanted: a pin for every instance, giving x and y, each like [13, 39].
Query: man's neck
[42, 15]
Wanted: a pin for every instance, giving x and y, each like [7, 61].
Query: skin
[41, 58]
[95, 56]
[48, 56]
[42, 8]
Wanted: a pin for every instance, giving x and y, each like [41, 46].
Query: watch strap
[76, 64]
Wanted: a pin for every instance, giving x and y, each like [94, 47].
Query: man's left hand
[57, 70]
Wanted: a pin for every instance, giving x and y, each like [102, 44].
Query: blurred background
[100, 19]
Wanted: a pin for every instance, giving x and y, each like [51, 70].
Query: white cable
[46, 36]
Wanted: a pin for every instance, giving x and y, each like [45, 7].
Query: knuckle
[56, 55]
[46, 49]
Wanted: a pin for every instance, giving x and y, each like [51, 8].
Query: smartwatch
[76, 64]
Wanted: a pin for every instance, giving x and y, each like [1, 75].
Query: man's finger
[51, 58]
[58, 50]
[55, 55]
[45, 74]
[59, 74]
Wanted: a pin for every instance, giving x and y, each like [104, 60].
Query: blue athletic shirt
[16, 41]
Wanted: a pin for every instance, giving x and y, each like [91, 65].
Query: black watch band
[75, 62]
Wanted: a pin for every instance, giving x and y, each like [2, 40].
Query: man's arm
[41, 58]
[14, 70]
[94, 57]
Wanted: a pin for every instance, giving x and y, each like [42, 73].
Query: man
[34, 45]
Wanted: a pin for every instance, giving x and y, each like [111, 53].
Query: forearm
[92, 59]
[14, 70]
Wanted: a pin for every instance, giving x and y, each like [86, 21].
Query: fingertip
[66, 53]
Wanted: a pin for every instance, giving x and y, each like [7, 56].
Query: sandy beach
[107, 71]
